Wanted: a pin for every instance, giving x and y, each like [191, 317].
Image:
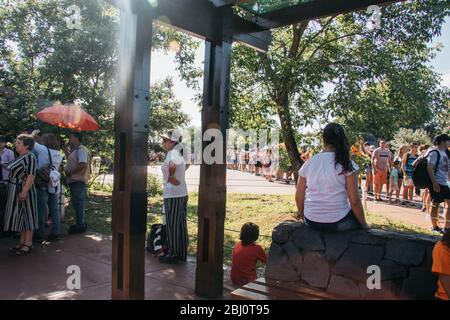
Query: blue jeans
[78, 200]
[349, 222]
[50, 200]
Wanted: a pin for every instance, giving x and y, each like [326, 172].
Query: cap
[172, 135]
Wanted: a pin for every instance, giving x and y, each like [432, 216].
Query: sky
[163, 66]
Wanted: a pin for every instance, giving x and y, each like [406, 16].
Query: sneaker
[437, 229]
[74, 229]
[53, 237]
[168, 259]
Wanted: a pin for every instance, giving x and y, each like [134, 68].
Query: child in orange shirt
[441, 266]
[245, 255]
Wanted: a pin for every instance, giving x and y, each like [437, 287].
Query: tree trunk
[287, 133]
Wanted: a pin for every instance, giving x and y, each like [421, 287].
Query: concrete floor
[42, 274]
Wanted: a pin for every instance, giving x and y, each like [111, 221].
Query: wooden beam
[200, 18]
[212, 188]
[129, 213]
[203, 20]
[313, 10]
[223, 3]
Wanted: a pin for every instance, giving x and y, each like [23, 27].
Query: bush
[97, 186]
[154, 185]
[407, 136]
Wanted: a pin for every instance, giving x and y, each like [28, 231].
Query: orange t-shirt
[243, 266]
[441, 265]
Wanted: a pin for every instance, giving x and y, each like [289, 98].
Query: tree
[165, 111]
[44, 60]
[386, 68]
[406, 136]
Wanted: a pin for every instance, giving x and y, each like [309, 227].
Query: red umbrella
[71, 117]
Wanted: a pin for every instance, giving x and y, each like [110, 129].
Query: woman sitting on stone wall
[327, 194]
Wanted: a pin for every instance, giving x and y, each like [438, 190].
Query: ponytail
[334, 134]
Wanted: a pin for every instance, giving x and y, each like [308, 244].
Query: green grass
[267, 211]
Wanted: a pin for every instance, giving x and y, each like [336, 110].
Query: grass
[267, 211]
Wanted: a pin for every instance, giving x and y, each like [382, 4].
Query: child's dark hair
[334, 134]
[249, 233]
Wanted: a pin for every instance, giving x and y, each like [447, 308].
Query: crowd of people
[31, 189]
[328, 197]
[394, 172]
[263, 162]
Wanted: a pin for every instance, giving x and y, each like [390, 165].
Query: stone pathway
[43, 273]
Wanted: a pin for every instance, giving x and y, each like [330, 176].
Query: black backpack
[420, 175]
[156, 241]
[43, 174]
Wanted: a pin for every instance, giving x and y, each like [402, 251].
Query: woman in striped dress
[21, 209]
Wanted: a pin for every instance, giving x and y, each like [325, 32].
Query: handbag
[43, 174]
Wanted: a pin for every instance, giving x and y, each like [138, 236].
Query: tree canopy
[380, 79]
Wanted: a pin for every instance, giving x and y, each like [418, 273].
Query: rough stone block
[282, 232]
[420, 285]
[344, 287]
[364, 237]
[278, 266]
[405, 252]
[294, 256]
[353, 264]
[391, 270]
[336, 244]
[316, 270]
[308, 239]
[428, 263]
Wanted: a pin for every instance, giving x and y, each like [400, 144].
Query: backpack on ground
[156, 241]
[420, 175]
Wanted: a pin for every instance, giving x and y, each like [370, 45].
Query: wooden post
[130, 159]
[212, 189]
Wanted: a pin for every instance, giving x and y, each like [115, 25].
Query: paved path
[42, 275]
[243, 182]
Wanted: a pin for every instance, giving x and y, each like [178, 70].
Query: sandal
[21, 251]
[14, 249]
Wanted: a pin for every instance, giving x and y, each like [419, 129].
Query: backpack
[156, 241]
[43, 174]
[420, 175]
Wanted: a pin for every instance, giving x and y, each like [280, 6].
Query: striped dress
[21, 216]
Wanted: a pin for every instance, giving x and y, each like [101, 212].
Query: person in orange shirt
[245, 255]
[441, 266]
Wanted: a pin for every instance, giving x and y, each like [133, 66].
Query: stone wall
[337, 263]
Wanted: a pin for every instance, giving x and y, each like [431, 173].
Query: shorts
[380, 177]
[441, 196]
[408, 182]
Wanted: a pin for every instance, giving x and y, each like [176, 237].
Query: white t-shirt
[170, 190]
[326, 198]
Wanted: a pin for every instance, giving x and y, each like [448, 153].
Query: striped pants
[176, 226]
